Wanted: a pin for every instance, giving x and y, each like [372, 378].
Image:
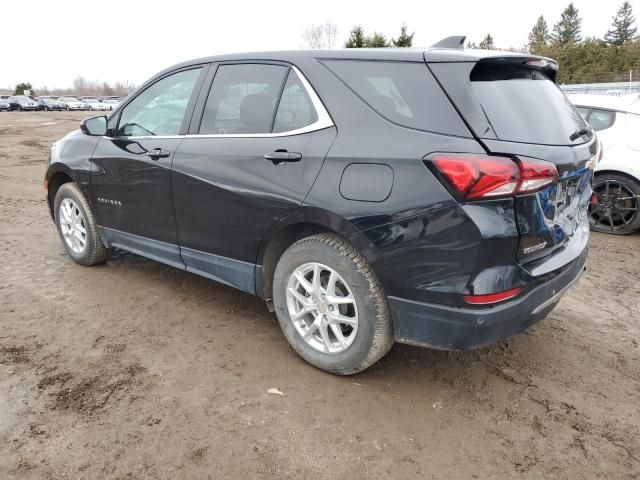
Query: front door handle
[282, 155]
[157, 153]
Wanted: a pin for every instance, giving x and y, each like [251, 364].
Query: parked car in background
[72, 103]
[96, 105]
[22, 102]
[111, 103]
[369, 196]
[615, 203]
[46, 103]
[5, 106]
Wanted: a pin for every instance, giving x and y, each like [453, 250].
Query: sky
[130, 40]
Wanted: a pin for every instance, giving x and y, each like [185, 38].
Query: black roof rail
[456, 41]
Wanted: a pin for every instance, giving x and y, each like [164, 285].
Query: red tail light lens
[492, 297]
[475, 176]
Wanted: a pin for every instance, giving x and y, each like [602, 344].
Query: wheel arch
[57, 175]
[305, 222]
[622, 173]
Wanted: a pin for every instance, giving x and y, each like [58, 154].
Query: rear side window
[404, 93]
[243, 99]
[295, 109]
[524, 105]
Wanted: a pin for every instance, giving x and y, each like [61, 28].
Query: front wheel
[615, 204]
[331, 306]
[77, 226]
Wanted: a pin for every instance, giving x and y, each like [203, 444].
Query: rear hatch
[515, 109]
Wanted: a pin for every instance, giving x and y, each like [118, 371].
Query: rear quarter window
[404, 93]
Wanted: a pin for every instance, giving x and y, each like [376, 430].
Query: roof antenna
[456, 41]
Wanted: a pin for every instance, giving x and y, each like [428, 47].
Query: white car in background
[615, 203]
[72, 103]
[111, 103]
[96, 105]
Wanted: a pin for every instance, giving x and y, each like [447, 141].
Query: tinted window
[159, 109]
[601, 119]
[295, 109]
[523, 105]
[584, 111]
[243, 99]
[402, 92]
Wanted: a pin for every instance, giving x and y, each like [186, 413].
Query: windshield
[69, 99]
[523, 105]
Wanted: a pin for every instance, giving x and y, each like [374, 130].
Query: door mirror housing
[94, 126]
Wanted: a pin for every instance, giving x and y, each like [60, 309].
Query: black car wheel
[615, 204]
[77, 226]
[331, 306]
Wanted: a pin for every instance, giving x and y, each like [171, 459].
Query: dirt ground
[134, 369]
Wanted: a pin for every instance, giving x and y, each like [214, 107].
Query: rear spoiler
[456, 42]
[547, 66]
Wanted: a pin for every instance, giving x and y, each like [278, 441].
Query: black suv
[432, 197]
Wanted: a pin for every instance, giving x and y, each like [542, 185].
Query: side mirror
[94, 126]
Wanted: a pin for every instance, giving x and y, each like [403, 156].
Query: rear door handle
[157, 153]
[281, 156]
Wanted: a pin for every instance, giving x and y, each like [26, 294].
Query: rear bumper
[452, 328]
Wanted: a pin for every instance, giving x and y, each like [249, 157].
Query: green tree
[567, 30]
[487, 43]
[21, 87]
[377, 40]
[404, 40]
[539, 36]
[356, 38]
[623, 29]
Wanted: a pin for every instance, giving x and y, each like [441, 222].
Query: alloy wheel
[72, 225]
[322, 308]
[613, 206]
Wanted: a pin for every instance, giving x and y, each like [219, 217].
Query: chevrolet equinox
[432, 197]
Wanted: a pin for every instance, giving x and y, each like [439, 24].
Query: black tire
[374, 335]
[613, 208]
[94, 250]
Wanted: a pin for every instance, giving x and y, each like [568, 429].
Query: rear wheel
[331, 305]
[77, 226]
[615, 204]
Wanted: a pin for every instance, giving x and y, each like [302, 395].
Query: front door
[259, 146]
[132, 168]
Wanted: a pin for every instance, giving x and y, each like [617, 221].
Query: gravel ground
[134, 369]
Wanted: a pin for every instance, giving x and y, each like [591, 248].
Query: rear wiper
[579, 133]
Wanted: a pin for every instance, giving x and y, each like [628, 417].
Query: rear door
[515, 109]
[256, 144]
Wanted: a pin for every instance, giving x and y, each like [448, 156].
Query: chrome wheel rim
[72, 225]
[322, 308]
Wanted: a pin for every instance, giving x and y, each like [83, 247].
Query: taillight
[475, 176]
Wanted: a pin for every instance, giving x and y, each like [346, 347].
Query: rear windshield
[404, 93]
[524, 105]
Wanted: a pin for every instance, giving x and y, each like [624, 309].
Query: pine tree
[377, 40]
[623, 30]
[21, 87]
[404, 40]
[539, 36]
[487, 43]
[567, 30]
[356, 39]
